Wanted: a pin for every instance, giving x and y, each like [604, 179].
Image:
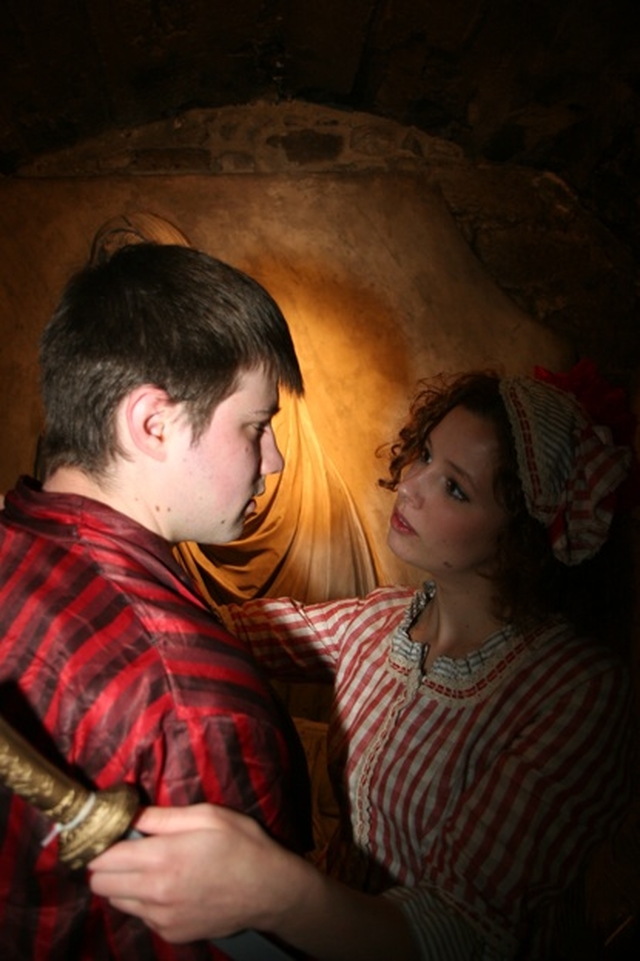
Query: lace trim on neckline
[457, 677]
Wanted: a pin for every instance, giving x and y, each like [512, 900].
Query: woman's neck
[456, 622]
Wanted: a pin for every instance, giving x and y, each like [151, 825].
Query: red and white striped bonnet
[569, 466]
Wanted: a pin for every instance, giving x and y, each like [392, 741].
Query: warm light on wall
[379, 289]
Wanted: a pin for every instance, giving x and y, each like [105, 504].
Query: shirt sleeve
[235, 760]
[440, 931]
[292, 640]
[196, 723]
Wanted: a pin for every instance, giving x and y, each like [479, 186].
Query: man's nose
[272, 459]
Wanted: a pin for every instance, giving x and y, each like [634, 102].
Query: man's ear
[147, 416]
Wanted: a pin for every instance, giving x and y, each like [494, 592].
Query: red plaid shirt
[113, 667]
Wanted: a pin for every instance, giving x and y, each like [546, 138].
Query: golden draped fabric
[307, 540]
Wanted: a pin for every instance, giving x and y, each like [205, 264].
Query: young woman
[480, 742]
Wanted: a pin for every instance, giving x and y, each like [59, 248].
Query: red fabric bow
[607, 406]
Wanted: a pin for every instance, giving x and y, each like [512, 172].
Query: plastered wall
[379, 287]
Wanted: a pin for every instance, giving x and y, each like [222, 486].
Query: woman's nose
[412, 482]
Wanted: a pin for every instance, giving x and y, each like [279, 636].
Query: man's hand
[202, 873]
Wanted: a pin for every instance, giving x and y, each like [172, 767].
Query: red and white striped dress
[474, 791]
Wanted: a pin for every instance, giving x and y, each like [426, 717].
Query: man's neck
[123, 488]
[108, 489]
[72, 480]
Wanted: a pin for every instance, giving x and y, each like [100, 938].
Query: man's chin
[235, 535]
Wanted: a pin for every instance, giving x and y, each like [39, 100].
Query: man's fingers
[155, 820]
[193, 817]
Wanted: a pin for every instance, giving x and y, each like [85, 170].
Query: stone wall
[527, 227]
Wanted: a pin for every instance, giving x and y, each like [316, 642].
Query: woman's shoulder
[556, 649]
[395, 596]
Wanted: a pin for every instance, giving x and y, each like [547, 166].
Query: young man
[160, 375]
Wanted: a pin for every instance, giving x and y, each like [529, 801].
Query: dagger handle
[87, 821]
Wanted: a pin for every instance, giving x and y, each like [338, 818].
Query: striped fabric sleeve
[439, 931]
[293, 640]
[289, 639]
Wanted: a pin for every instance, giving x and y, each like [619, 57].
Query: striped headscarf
[570, 466]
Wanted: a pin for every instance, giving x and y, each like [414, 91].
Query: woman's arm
[296, 640]
[208, 872]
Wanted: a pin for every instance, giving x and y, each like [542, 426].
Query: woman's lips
[399, 523]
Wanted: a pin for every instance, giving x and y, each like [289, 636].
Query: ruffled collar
[460, 675]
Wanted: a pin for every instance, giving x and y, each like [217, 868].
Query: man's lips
[400, 523]
[252, 506]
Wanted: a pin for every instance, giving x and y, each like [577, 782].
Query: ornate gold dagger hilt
[86, 822]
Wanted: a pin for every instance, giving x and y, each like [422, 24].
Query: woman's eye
[455, 491]
[425, 456]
